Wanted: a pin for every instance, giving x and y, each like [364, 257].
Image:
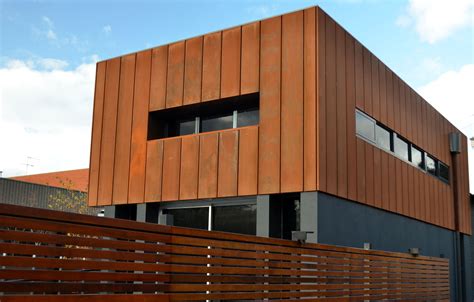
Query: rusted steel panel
[208, 156]
[124, 130]
[367, 71]
[228, 163]
[175, 78]
[310, 114]
[270, 89]
[230, 69]
[321, 101]
[107, 148]
[248, 161]
[171, 169]
[350, 114]
[341, 115]
[159, 68]
[211, 66]
[189, 175]
[292, 102]
[154, 170]
[136, 184]
[331, 108]
[193, 71]
[96, 134]
[250, 71]
[376, 115]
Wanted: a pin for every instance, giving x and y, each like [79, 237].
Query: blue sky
[48, 50]
[80, 29]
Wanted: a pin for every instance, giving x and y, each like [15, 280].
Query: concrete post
[263, 215]
[309, 215]
[141, 212]
[109, 211]
[165, 219]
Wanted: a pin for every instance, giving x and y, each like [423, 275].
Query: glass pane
[247, 118]
[197, 218]
[443, 171]
[430, 165]
[383, 138]
[216, 123]
[365, 126]
[240, 219]
[400, 147]
[417, 158]
[186, 127]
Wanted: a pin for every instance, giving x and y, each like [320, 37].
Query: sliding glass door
[240, 219]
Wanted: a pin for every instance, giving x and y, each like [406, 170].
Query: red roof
[72, 179]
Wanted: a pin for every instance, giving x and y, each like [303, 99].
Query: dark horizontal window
[182, 127]
[365, 126]
[443, 171]
[187, 127]
[218, 122]
[222, 114]
[386, 139]
[247, 117]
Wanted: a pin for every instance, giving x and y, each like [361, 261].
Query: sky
[48, 51]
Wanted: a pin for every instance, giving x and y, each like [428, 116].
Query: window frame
[440, 163]
[423, 157]
[401, 138]
[374, 122]
[238, 112]
[216, 116]
[390, 137]
[207, 203]
[435, 174]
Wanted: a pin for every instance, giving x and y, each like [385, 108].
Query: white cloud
[45, 113]
[52, 64]
[48, 21]
[40, 63]
[435, 20]
[453, 95]
[51, 35]
[431, 65]
[263, 11]
[48, 32]
[426, 69]
[107, 29]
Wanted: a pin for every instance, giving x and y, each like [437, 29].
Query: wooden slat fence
[55, 256]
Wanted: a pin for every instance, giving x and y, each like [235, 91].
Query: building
[72, 179]
[283, 124]
[61, 190]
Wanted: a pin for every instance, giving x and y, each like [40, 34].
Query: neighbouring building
[60, 190]
[283, 124]
[77, 180]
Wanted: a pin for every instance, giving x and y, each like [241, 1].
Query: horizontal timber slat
[55, 256]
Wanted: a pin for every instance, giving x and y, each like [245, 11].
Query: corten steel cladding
[310, 75]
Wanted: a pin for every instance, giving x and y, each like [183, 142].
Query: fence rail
[56, 256]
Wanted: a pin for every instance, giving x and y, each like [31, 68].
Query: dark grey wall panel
[468, 266]
[346, 223]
